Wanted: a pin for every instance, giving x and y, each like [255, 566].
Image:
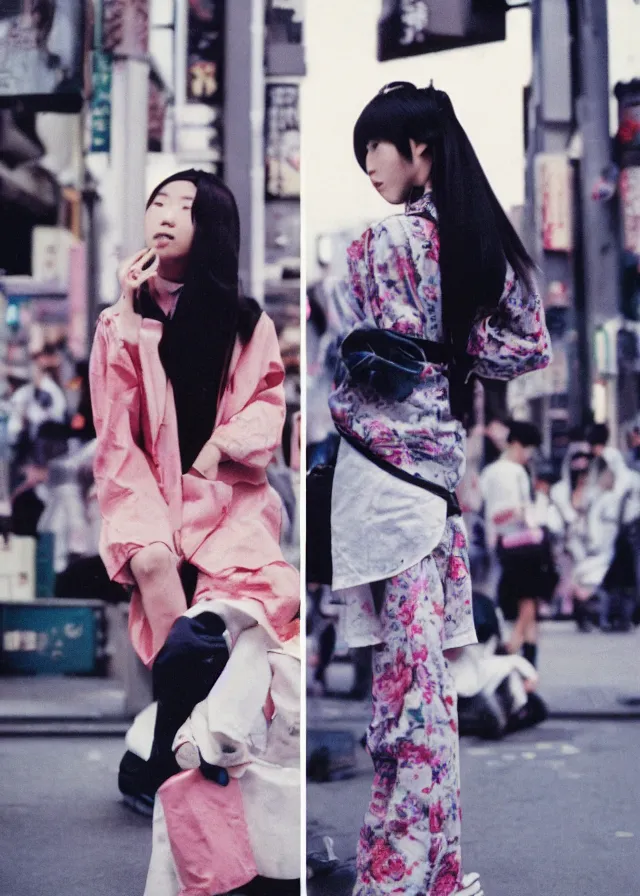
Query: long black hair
[197, 343]
[476, 237]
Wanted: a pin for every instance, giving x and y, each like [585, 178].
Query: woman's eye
[373, 144]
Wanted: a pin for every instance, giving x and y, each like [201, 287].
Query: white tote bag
[18, 568]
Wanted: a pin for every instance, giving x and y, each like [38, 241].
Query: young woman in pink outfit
[189, 407]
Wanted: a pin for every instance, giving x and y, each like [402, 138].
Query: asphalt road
[63, 830]
[550, 812]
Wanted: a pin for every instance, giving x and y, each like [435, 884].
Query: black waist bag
[391, 364]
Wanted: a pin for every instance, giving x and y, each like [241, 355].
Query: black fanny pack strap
[434, 352]
[453, 507]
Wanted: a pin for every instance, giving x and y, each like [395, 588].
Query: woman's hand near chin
[132, 273]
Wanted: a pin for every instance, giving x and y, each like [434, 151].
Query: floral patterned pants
[410, 841]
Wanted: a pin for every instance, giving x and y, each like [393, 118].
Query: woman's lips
[162, 239]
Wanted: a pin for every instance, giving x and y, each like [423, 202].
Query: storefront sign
[42, 53]
[282, 122]
[554, 198]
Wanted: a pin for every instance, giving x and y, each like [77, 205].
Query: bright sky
[485, 84]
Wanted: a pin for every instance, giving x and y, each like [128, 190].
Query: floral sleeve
[351, 302]
[514, 339]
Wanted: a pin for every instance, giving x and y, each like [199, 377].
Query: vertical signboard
[554, 202]
[205, 68]
[101, 103]
[282, 141]
[630, 205]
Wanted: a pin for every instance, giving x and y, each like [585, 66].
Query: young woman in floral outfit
[451, 270]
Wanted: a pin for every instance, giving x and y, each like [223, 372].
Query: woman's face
[168, 225]
[392, 174]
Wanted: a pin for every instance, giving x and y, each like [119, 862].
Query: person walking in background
[39, 401]
[572, 497]
[520, 542]
[437, 292]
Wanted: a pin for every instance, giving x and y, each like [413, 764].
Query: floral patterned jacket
[394, 279]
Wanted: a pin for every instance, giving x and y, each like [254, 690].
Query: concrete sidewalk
[593, 675]
[581, 675]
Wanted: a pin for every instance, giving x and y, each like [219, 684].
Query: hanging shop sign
[282, 141]
[554, 199]
[42, 55]
[411, 27]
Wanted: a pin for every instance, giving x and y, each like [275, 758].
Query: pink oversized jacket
[227, 526]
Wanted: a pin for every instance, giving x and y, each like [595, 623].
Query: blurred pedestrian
[188, 403]
[572, 497]
[438, 293]
[616, 505]
[520, 540]
[39, 401]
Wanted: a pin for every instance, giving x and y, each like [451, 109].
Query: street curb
[63, 727]
[594, 716]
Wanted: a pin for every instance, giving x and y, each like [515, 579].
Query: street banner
[282, 141]
[42, 52]
[554, 202]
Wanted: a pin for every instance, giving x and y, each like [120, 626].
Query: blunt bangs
[395, 117]
[381, 119]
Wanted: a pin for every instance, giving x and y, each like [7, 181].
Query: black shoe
[135, 784]
[581, 615]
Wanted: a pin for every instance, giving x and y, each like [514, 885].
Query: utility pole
[568, 131]
[600, 250]
[244, 134]
[549, 187]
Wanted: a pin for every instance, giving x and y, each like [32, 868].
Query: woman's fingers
[139, 268]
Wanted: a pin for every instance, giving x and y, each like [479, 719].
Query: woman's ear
[419, 149]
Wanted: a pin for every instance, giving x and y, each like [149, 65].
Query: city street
[552, 811]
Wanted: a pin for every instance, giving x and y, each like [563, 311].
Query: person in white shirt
[509, 511]
[37, 402]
